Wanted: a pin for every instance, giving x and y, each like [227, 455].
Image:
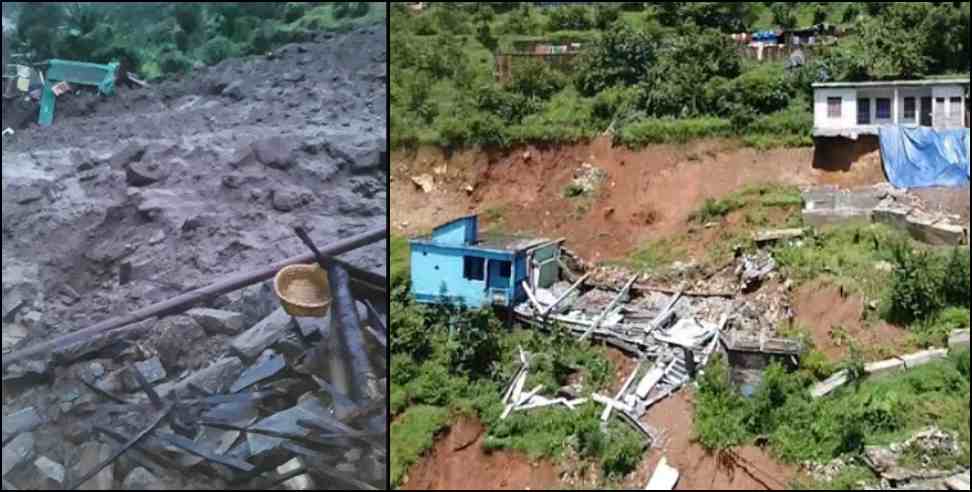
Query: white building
[851, 109]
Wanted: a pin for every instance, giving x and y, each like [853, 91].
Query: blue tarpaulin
[924, 157]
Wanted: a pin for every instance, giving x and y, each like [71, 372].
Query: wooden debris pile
[283, 403]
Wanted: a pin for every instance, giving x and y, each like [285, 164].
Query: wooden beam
[565, 295]
[117, 327]
[614, 303]
[624, 389]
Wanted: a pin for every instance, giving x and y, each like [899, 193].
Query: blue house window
[474, 268]
[505, 269]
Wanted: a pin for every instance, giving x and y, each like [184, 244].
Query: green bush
[716, 210]
[570, 18]
[916, 293]
[189, 17]
[295, 11]
[351, 10]
[175, 63]
[219, 49]
[956, 281]
[661, 131]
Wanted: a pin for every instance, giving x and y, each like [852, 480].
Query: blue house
[456, 265]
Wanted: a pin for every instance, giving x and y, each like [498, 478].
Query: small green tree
[784, 14]
[916, 292]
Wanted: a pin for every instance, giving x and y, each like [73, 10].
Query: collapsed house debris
[884, 204]
[674, 334]
[911, 465]
[293, 401]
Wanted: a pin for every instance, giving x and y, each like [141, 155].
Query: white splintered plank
[665, 477]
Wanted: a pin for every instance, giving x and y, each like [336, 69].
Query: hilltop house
[853, 109]
[456, 265]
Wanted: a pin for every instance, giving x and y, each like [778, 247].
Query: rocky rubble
[132, 200]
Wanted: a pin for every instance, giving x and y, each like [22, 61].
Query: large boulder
[275, 152]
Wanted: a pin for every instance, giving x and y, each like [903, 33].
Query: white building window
[835, 107]
[956, 109]
[910, 109]
[883, 108]
[864, 111]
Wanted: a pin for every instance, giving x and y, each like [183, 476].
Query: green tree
[570, 18]
[730, 17]
[622, 56]
[485, 37]
[784, 14]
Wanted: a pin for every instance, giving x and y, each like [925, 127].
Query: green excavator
[26, 84]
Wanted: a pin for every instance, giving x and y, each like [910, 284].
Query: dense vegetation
[156, 39]
[799, 429]
[448, 363]
[652, 72]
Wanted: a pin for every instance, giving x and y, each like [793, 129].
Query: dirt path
[458, 462]
[647, 194]
[701, 470]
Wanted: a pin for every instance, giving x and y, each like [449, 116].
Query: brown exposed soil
[747, 468]
[458, 462]
[647, 194]
[836, 319]
[623, 367]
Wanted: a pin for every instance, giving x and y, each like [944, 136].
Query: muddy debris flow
[132, 201]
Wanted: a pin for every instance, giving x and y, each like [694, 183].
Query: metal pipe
[186, 301]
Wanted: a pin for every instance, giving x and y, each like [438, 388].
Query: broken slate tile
[269, 365]
[93, 454]
[18, 453]
[217, 322]
[215, 379]
[13, 336]
[49, 470]
[310, 327]
[266, 333]
[152, 370]
[142, 479]
[285, 421]
[26, 420]
[11, 304]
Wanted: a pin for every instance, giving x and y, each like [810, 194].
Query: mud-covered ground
[177, 185]
[71, 219]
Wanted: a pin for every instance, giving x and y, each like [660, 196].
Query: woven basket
[304, 291]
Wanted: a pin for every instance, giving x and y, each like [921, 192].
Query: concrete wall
[437, 272]
[457, 233]
[821, 118]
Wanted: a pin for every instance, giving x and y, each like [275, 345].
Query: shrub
[474, 347]
[570, 18]
[716, 210]
[295, 11]
[411, 335]
[659, 131]
[219, 49]
[916, 293]
[351, 10]
[956, 281]
[175, 62]
[188, 16]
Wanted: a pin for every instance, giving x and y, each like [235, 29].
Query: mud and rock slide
[134, 199]
[647, 194]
